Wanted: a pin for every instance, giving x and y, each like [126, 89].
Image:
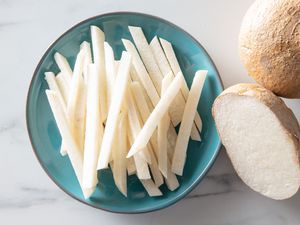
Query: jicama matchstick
[170, 54]
[93, 131]
[151, 188]
[114, 110]
[147, 56]
[87, 60]
[63, 85]
[190, 109]
[98, 39]
[74, 152]
[64, 66]
[160, 109]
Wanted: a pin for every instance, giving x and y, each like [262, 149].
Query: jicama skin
[151, 188]
[110, 67]
[170, 54]
[63, 85]
[119, 156]
[93, 131]
[160, 109]
[64, 66]
[162, 134]
[98, 38]
[190, 109]
[87, 60]
[114, 110]
[74, 152]
[77, 101]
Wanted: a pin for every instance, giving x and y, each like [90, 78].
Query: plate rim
[35, 73]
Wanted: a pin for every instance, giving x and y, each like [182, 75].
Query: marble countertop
[28, 196]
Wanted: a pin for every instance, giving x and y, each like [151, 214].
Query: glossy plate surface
[46, 140]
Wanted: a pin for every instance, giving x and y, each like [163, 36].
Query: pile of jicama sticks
[123, 113]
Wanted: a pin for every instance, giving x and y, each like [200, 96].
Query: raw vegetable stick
[177, 107]
[110, 67]
[162, 133]
[87, 60]
[170, 54]
[114, 110]
[64, 66]
[160, 109]
[119, 156]
[76, 101]
[73, 150]
[93, 131]
[151, 188]
[147, 56]
[157, 176]
[187, 122]
[98, 38]
[63, 85]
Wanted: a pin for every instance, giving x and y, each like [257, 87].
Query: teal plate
[46, 140]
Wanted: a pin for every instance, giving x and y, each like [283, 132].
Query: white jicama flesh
[261, 136]
[114, 110]
[110, 67]
[93, 131]
[190, 109]
[119, 156]
[170, 54]
[63, 85]
[87, 60]
[147, 56]
[151, 188]
[160, 109]
[74, 152]
[98, 38]
[64, 66]
[76, 102]
[162, 133]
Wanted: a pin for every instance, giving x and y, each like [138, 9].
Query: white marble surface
[28, 196]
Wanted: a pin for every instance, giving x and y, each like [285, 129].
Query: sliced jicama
[160, 109]
[141, 72]
[74, 152]
[171, 179]
[151, 188]
[93, 131]
[98, 39]
[76, 102]
[110, 68]
[190, 109]
[114, 110]
[119, 156]
[157, 176]
[147, 56]
[87, 60]
[170, 54]
[64, 66]
[162, 133]
[63, 85]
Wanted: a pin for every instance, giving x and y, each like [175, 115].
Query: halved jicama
[93, 131]
[170, 54]
[147, 56]
[63, 85]
[110, 67]
[64, 66]
[119, 156]
[160, 109]
[87, 60]
[114, 110]
[151, 188]
[261, 136]
[190, 110]
[76, 102]
[98, 38]
[74, 152]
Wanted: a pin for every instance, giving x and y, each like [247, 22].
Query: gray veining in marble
[28, 196]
